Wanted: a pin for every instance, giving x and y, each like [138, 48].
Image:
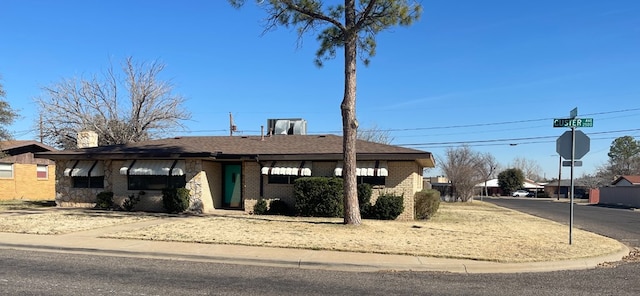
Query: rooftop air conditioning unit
[291, 126]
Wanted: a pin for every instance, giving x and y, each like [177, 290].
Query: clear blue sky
[468, 71]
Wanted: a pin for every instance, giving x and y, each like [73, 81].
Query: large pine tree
[353, 27]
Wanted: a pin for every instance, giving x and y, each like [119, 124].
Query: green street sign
[575, 122]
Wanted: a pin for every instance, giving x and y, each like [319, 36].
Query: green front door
[232, 186]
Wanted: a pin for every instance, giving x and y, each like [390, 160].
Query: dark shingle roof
[14, 147]
[635, 180]
[308, 147]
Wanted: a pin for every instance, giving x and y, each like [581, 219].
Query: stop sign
[563, 145]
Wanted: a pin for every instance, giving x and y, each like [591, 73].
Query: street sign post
[573, 113]
[572, 145]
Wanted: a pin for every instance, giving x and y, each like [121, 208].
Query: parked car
[522, 193]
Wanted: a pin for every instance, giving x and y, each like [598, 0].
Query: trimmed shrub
[278, 207]
[130, 202]
[387, 207]
[427, 203]
[260, 208]
[175, 200]
[318, 197]
[364, 199]
[104, 200]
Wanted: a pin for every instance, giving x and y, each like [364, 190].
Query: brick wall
[405, 178]
[26, 185]
[204, 180]
[211, 178]
[251, 184]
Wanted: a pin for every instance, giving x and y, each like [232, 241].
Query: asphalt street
[622, 224]
[54, 273]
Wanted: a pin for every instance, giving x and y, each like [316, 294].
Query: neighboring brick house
[24, 176]
[225, 172]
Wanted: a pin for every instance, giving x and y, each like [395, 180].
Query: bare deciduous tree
[461, 167]
[487, 167]
[139, 107]
[592, 181]
[530, 168]
[7, 116]
[352, 26]
[375, 134]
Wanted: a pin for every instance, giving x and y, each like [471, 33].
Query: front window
[42, 171]
[371, 180]
[281, 179]
[155, 182]
[85, 173]
[6, 170]
[88, 182]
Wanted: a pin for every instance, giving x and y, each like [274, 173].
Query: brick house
[225, 172]
[22, 174]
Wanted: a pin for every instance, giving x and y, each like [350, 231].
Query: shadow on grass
[26, 207]
[40, 203]
[279, 218]
[623, 207]
[27, 204]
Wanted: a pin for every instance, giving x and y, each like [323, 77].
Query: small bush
[278, 207]
[427, 203]
[104, 200]
[175, 200]
[364, 199]
[130, 202]
[318, 197]
[387, 207]
[260, 208]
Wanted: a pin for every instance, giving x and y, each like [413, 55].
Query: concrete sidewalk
[90, 242]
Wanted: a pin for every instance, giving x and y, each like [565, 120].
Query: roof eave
[108, 156]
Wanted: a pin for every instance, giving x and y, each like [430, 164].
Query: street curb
[345, 261]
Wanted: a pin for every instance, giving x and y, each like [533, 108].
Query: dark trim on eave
[108, 156]
[338, 156]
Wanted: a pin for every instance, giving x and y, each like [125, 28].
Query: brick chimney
[87, 139]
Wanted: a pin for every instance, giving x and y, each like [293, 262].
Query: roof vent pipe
[262, 133]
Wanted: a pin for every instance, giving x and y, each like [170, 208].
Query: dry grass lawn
[475, 230]
[39, 218]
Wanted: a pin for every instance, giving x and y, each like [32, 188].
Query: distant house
[579, 188]
[624, 191]
[627, 181]
[225, 172]
[440, 183]
[22, 174]
[493, 187]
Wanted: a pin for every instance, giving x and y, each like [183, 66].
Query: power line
[508, 140]
[493, 123]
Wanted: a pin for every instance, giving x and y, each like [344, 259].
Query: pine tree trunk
[349, 121]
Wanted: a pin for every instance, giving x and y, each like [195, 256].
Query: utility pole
[40, 127]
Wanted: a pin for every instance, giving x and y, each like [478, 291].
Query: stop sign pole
[573, 159]
[572, 122]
